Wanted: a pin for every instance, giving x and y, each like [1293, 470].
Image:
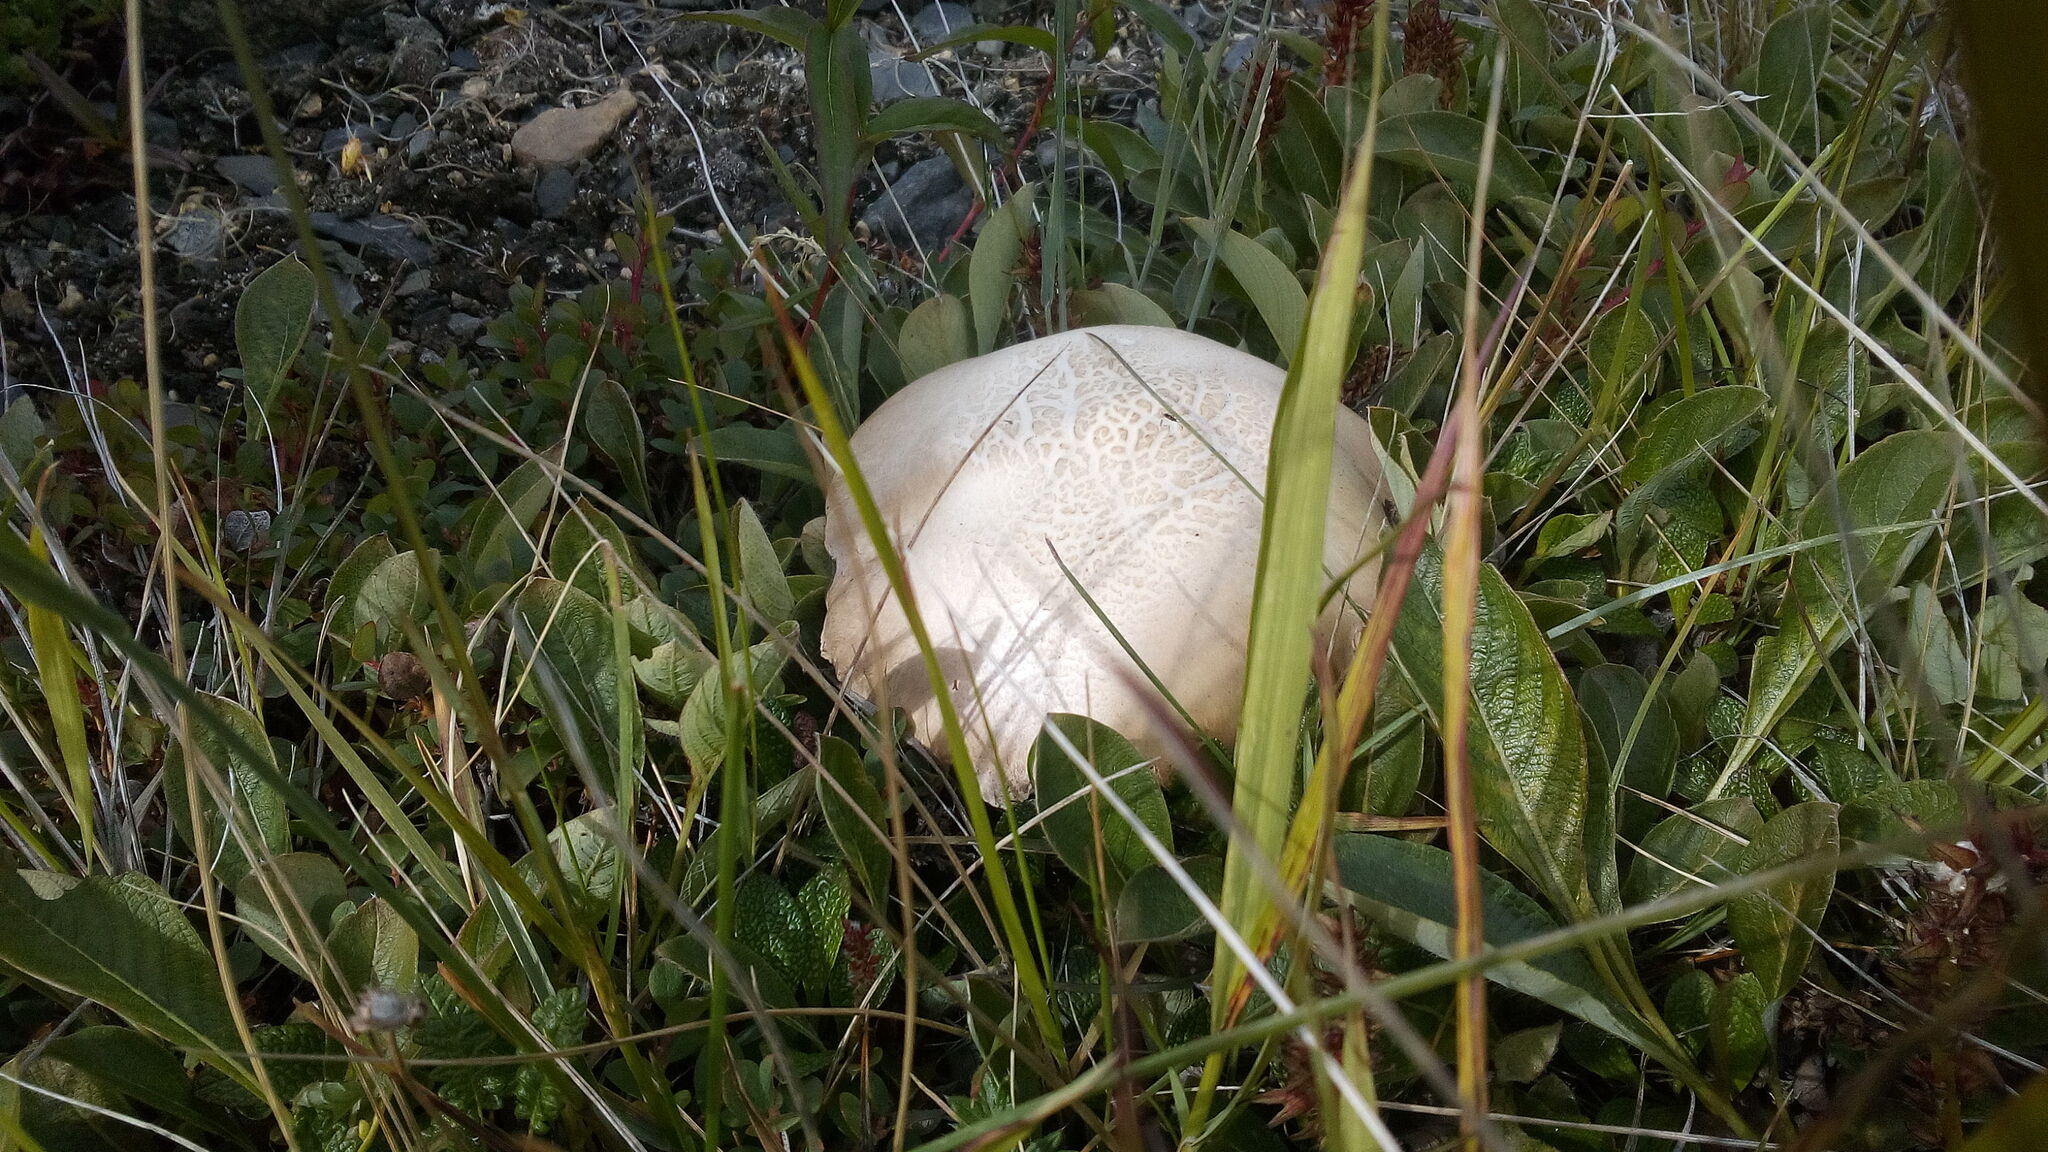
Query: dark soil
[398, 118]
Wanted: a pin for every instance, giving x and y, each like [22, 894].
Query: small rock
[940, 21]
[420, 142]
[416, 282]
[561, 136]
[387, 234]
[1239, 53]
[465, 58]
[475, 88]
[893, 78]
[923, 207]
[245, 531]
[554, 192]
[462, 325]
[199, 233]
[256, 175]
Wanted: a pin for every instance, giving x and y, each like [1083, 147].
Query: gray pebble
[256, 175]
[386, 234]
[198, 234]
[462, 325]
[554, 192]
[940, 21]
[923, 207]
[895, 79]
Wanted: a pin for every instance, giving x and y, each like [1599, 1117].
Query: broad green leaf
[989, 268]
[767, 919]
[789, 26]
[1711, 423]
[775, 451]
[1269, 284]
[259, 828]
[132, 1064]
[1406, 888]
[1931, 655]
[1880, 510]
[825, 901]
[1736, 1031]
[1912, 810]
[836, 76]
[2014, 648]
[1078, 828]
[933, 114]
[121, 941]
[1692, 849]
[1114, 303]
[285, 903]
[500, 545]
[577, 676]
[1634, 731]
[1447, 144]
[390, 597]
[345, 586]
[575, 555]
[1528, 749]
[937, 332]
[1154, 907]
[1788, 75]
[855, 817]
[373, 947]
[614, 430]
[762, 586]
[271, 322]
[1774, 926]
[673, 670]
[1521, 1057]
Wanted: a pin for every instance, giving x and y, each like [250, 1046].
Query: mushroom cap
[1134, 455]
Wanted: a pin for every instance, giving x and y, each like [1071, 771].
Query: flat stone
[892, 78]
[462, 325]
[255, 175]
[563, 136]
[386, 234]
[554, 192]
[923, 207]
[198, 234]
[941, 21]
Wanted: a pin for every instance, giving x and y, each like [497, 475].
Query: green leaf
[775, 451]
[1528, 749]
[586, 545]
[285, 903]
[1077, 828]
[1406, 888]
[1447, 144]
[933, 114]
[1788, 76]
[373, 947]
[937, 332]
[121, 941]
[789, 26]
[1710, 424]
[260, 821]
[132, 1064]
[673, 670]
[762, 586]
[767, 919]
[613, 427]
[538, 1093]
[345, 586]
[1736, 1034]
[1634, 732]
[836, 75]
[1154, 907]
[989, 268]
[1268, 283]
[578, 678]
[1774, 926]
[1931, 652]
[390, 597]
[500, 545]
[1114, 303]
[2014, 648]
[1520, 1057]
[1875, 516]
[855, 817]
[825, 901]
[271, 322]
[1703, 842]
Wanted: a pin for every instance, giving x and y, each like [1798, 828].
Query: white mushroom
[1134, 456]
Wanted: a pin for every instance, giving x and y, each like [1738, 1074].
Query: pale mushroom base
[1123, 460]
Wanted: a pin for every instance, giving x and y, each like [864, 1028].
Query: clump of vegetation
[435, 755]
[41, 27]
